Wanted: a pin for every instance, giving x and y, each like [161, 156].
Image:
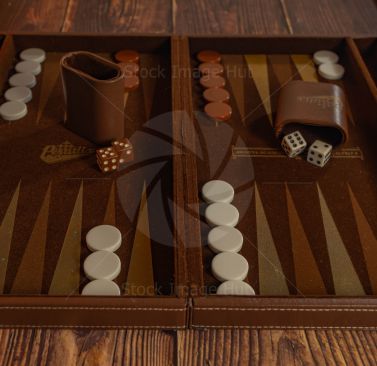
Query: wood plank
[32, 15]
[86, 347]
[272, 347]
[228, 17]
[135, 16]
[324, 17]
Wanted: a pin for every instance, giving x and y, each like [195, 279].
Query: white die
[293, 144]
[319, 153]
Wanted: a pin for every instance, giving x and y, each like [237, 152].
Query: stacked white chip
[21, 83]
[328, 67]
[228, 266]
[103, 265]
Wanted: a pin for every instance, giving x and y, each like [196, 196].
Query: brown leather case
[93, 90]
[317, 110]
[190, 303]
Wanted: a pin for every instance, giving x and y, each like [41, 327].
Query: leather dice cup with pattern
[93, 90]
[316, 110]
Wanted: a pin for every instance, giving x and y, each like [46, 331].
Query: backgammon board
[309, 233]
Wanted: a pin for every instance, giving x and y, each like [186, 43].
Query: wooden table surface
[204, 347]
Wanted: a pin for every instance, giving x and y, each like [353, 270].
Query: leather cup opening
[92, 66]
[331, 135]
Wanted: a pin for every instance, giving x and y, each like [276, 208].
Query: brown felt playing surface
[307, 230]
[52, 192]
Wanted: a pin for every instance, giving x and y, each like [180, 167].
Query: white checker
[217, 191]
[325, 57]
[102, 265]
[221, 214]
[229, 266]
[240, 288]
[23, 79]
[104, 237]
[331, 71]
[31, 67]
[225, 239]
[101, 288]
[33, 54]
[12, 111]
[18, 94]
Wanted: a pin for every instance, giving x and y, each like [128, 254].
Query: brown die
[124, 150]
[107, 159]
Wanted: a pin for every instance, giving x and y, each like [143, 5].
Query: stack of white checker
[328, 67]
[21, 84]
[103, 265]
[228, 266]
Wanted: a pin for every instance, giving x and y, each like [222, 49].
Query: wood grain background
[192, 347]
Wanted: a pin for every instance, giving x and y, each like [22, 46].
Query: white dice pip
[293, 144]
[319, 153]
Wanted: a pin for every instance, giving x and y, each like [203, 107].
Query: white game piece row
[103, 265]
[227, 266]
[328, 67]
[19, 94]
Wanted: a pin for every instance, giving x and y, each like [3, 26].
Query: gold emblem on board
[53, 154]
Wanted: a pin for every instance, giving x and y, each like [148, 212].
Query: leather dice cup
[93, 90]
[317, 110]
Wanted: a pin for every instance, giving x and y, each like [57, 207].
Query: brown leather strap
[284, 312]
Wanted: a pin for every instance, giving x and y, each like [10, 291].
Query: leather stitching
[83, 308]
[281, 327]
[288, 309]
[94, 326]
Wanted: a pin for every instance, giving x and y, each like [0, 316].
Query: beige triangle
[258, 68]
[235, 63]
[66, 279]
[6, 234]
[149, 81]
[308, 277]
[346, 280]
[367, 239]
[305, 67]
[109, 218]
[49, 78]
[34, 254]
[125, 98]
[140, 273]
[271, 277]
